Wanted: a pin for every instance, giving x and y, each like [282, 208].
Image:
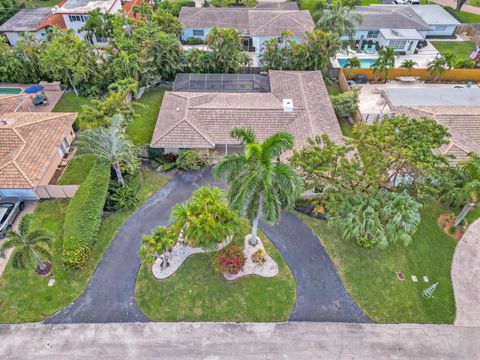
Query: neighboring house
[396, 26]
[456, 108]
[14, 103]
[75, 14]
[441, 22]
[255, 25]
[291, 101]
[32, 146]
[34, 21]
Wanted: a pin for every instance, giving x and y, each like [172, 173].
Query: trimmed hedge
[84, 216]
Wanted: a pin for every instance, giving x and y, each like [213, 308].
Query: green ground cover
[370, 275]
[196, 293]
[460, 48]
[312, 5]
[25, 297]
[463, 16]
[141, 129]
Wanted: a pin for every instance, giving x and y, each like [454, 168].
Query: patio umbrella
[33, 89]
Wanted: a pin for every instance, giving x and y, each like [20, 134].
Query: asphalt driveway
[110, 295]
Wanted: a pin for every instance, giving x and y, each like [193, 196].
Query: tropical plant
[192, 159]
[159, 244]
[353, 62]
[7, 9]
[464, 64]
[437, 67]
[408, 64]
[205, 219]
[470, 190]
[345, 104]
[338, 18]
[111, 145]
[28, 244]
[260, 185]
[144, 11]
[229, 260]
[384, 63]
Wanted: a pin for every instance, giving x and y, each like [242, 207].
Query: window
[74, 18]
[372, 34]
[397, 44]
[198, 33]
[440, 27]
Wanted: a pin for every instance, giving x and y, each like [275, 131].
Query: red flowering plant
[229, 260]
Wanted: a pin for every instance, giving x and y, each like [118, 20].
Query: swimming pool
[10, 90]
[364, 63]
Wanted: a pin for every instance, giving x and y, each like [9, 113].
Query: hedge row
[84, 216]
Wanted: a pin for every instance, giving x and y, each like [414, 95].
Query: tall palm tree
[337, 18]
[111, 145]
[471, 189]
[143, 9]
[27, 244]
[384, 63]
[260, 185]
[353, 62]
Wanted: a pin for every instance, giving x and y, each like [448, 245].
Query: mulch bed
[48, 268]
[446, 222]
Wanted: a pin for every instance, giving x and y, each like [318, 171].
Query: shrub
[168, 166]
[192, 159]
[258, 257]
[345, 104]
[84, 216]
[229, 260]
[155, 153]
[120, 197]
[194, 41]
[170, 157]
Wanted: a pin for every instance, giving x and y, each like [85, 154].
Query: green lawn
[141, 129]
[463, 16]
[39, 3]
[196, 293]
[312, 5]
[25, 297]
[370, 275]
[460, 48]
[473, 215]
[77, 170]
[71, 103]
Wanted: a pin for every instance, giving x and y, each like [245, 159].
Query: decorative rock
[425, 279]
[414, 278]
[268, 269]
[51, 282]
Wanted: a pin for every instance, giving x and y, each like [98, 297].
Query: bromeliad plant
[229, 260]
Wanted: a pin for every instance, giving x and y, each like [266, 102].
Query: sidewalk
[225, 341]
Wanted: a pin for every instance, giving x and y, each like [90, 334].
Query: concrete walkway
[321, 295]
[110, 295]
[233, 341]
[466, 277]
[453, 4]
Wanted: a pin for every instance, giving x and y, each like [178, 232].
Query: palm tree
[471, 189]
[450, 59]
[384, 63]
[111, 145]
[260, 185]
[126, 65]
[338, 18]
[27, 244]
[353, 62]
[437, 67]
[143, 9]
[408, 64]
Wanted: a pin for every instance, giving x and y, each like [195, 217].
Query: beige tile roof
[28, 143]
[203, 120]
[11, 103]
[254, 22]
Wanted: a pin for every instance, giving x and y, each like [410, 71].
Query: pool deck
[52, 95]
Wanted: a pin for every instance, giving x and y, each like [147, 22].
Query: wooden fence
[56, 191]
[454, 75]
[472, 30]
[343, 84]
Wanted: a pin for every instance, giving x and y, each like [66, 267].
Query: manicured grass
[461, 49]
[463, 16]
[71, 103]
[229, 3]
[473, 215]
[346, 127]
[312, 5]
[333, 89]
[25, 297]
[41, 3]
[370, 275]
[141, 129]
[77, 170]
[196, 293]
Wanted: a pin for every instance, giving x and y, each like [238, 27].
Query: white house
[255, 25]
[34, 21]
[441, 22]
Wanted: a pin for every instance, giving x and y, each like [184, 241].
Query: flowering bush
[229, 260]
[258, 257]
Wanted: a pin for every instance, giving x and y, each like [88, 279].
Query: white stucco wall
[13, 37]
[448, 31]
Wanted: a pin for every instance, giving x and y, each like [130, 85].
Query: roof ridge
[22, 172]
[57, 115]
[267, 23]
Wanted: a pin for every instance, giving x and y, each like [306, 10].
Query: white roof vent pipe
[287, 105]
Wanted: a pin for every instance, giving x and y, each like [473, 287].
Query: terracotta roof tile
[11, 103]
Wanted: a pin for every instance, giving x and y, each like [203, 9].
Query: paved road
[231, 341]
[321, 295]
[110, 295]
[466, 275]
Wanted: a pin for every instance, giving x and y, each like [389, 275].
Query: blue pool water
[364, 63]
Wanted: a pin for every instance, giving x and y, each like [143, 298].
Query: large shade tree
[260, 184]
[28, 244]
[337, 18]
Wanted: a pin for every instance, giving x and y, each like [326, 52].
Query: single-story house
[293, 101]
[456, 108]
[396, 26]
[34, 21]
[441, 22]
[255, 25]
[32, 146]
